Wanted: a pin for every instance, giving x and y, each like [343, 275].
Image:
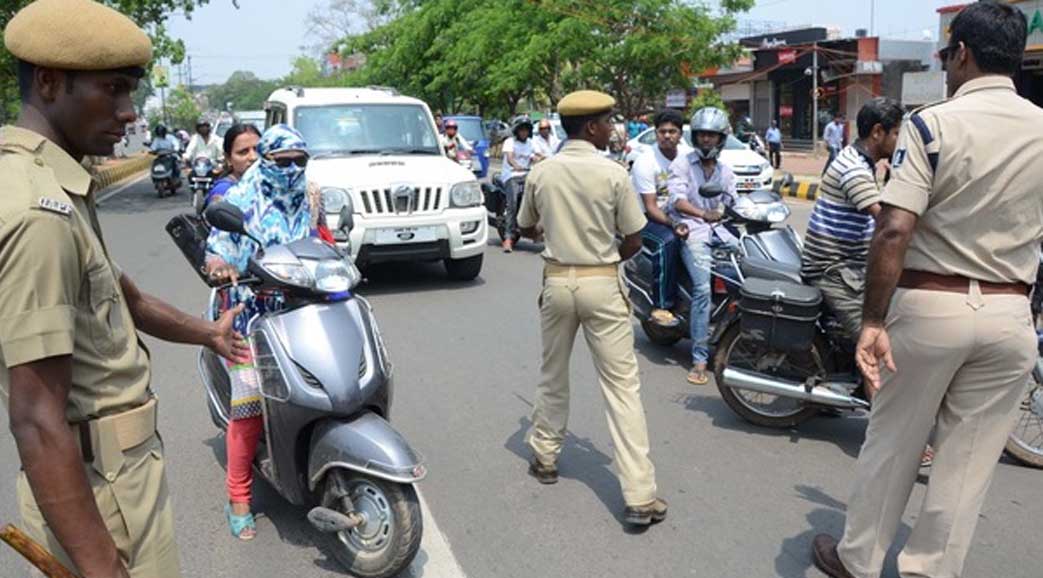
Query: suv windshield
[346, 129]
[470, 128]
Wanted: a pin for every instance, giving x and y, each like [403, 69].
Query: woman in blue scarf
[273, 195]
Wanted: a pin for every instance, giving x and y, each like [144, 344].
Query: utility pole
[814, 97]
[190, 74]
[872, 17]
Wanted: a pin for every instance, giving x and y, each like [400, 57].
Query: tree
[706, 97]
[149, 14]
[182, 109]
[243, 90]
[333, 20]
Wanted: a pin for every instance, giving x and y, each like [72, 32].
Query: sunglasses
[285, 162]
[946, 53]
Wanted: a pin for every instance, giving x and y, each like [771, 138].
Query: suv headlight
[334, 199]
[466, 194]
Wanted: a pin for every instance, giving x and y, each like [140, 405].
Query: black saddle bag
[190, 232]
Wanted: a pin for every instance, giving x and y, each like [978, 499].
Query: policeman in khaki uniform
[584, 202]
[74, 375]
[946, 308]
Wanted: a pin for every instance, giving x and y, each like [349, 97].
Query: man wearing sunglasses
[946, 310]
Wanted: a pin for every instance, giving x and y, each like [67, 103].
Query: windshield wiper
[411, 151]
[345, 153]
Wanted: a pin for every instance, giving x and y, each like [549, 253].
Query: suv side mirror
[711, 190]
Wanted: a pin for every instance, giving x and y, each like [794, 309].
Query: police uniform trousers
[135, 506]
[592, 298]
[963, 363]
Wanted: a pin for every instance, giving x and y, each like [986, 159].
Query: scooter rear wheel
[389, 538]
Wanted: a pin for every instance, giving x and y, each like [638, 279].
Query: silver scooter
[325, 380]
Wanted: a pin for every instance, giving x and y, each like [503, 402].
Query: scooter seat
[761, 268]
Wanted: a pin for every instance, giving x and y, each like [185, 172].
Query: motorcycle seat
[761, 268]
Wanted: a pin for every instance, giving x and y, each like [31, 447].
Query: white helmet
[709, 119]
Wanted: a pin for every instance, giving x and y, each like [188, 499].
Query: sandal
[242, 527]
[698, 377]
[927, 458]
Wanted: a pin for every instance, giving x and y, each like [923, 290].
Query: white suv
[377, 157]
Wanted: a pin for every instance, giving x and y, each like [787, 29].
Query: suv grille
[417, 201]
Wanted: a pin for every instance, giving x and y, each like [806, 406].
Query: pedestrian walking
[583, 202]
[92, 488]
[774, 139]
[946, 307]
[834, 137]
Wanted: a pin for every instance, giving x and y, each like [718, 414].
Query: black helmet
[522, 120]
[161, 131]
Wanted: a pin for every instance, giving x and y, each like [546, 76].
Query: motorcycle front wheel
[389, 537]
[1025, 443]
[765, 409]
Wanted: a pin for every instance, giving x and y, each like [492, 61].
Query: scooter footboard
[366, 444]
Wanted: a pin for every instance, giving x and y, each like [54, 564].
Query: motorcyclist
[162, 142]
[518, 156]
[546, 142]
[687, 174]
[649, 176]
[204, 143]
[453, 141]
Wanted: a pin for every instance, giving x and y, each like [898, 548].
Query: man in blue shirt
[774, 139]
[834, 137]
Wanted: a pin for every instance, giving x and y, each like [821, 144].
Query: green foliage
[706, 97]
[243, 90]
[182, 109]
[149, 14]
[494, 56]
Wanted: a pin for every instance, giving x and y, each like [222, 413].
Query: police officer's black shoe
[543, 473]
[646, 515]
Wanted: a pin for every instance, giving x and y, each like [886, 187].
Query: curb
[805, 190]
[107, 176]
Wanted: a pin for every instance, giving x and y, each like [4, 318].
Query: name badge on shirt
[49, 204]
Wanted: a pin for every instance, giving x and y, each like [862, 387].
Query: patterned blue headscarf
[274, 200]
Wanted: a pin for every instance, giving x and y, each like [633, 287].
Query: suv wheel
[464, 269]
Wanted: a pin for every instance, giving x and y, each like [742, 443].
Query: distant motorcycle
[166, 173]
[201, 178]
[496, 204]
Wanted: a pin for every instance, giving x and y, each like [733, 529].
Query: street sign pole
[814, 97]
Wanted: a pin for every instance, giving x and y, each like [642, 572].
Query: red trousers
[240, 445]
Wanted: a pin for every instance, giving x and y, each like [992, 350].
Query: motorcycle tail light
[719, 287]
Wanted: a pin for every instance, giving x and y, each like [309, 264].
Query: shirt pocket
[105, 316]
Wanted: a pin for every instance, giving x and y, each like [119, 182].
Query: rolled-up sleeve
[630, 216]
[40, 282]
[911, 172]
[677, 182]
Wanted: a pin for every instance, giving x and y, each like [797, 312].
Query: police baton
[36, 554]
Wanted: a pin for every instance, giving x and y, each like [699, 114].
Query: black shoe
[824, 553]
[544, 474]
[646, 515]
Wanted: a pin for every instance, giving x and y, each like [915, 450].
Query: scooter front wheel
[388, 538]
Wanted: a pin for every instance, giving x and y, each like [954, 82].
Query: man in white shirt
[518, 155]
[204, 143]
[649, 176]
[834, 137]
[545, 142]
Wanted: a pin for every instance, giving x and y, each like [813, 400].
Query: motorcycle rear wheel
[1025, 443]
[763, 409]
[386, 543]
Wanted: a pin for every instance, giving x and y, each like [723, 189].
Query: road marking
[121, 188]
[435, 558]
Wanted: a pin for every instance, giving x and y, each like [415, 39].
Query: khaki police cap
[585, 102]
[76, 35]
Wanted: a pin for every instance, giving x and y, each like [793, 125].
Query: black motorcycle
[200, 179]
[166, 173]
[496, 194]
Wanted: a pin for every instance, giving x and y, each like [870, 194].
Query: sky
[264, 36]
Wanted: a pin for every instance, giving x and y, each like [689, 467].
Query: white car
[382, 170]
[752, 171]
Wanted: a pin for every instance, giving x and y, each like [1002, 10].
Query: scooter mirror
[347, 218]
[787, 180]
[711, 190]
[226, 217]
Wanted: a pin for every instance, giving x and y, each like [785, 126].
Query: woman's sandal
[698, 377]
[242, 527]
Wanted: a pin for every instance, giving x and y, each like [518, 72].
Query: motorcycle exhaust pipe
[821, 394]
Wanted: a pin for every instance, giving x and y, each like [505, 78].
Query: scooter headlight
[761, 212]
[466, 194]
[325, 275]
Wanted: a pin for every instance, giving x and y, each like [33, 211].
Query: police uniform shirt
[970, 168]
[59, 292]
[584, 201]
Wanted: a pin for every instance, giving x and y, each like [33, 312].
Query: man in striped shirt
[837, 243]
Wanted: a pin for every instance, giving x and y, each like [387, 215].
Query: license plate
[747, 184]
[401, 235]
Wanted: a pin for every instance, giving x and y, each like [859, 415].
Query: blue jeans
[662, 243]
[698, 260]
